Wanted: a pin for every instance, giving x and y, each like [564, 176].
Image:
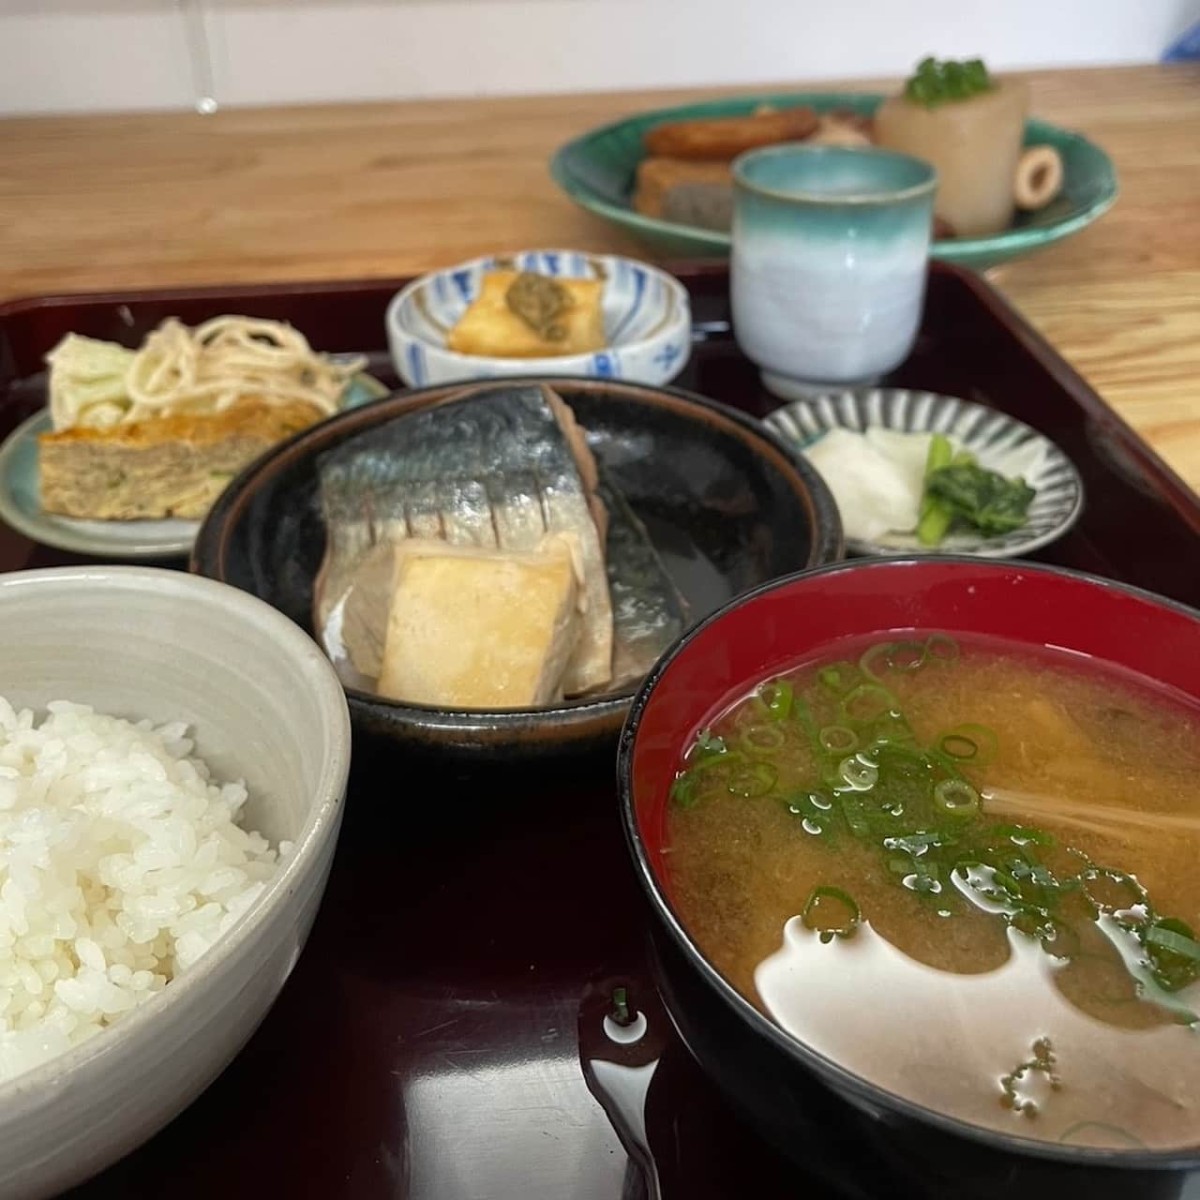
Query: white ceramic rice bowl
[265, 705]
[647, 319]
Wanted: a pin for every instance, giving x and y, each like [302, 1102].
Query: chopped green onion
[837, 739]
[918, 843]
[1032, 921]
[867, 702]
[718, 760]
[620, 1013]
[1006, 880]
[752, 780]
[1022, 835]
[858, 772]
[831, 912]
[941, 647]
[890, 729]
[815, 811]
[857, 814]
[1111, 890]
[706, 745]
[761, 739]
[958, 745]
[683, 790]
[976, 743]
[777, 696]
[1168, 934]
[892, 656]
[956, 798]
[1059, 939]
[839, 677]
[924, 879]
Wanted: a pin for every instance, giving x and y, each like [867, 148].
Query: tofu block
[490, 328]
[475, 628]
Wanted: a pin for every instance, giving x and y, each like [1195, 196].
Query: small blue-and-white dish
[647, 321]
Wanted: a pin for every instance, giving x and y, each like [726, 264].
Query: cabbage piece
[87, 382]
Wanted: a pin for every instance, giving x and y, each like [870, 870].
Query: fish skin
[497, 467]
[649, 612]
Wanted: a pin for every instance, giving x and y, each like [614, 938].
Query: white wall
[87, 55]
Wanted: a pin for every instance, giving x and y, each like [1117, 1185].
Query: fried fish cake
[722, 139]
[658, 178]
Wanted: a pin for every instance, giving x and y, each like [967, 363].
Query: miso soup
[966, 872]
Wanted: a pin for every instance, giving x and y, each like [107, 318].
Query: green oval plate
[597, 172]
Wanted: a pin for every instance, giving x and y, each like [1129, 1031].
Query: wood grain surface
[257, 195]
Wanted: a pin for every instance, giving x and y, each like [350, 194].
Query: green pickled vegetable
[981, 498]
[959, 491]
[937, 515]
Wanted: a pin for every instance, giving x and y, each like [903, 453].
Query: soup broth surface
[965, 872]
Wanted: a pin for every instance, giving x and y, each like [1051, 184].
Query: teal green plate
[597, 172]
[21, 508]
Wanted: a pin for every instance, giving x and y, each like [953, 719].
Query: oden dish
[559, 312]
[681, 207]
[938, 811]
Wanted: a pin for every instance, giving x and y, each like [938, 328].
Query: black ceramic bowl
[776, 1079]
[726, 505]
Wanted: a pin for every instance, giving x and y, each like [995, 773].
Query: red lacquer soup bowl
[770, 1075]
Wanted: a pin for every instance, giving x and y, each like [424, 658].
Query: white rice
[121, 863]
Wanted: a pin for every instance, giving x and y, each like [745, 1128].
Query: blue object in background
[1186, 48]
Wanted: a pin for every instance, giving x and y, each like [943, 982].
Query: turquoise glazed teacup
[830, 253]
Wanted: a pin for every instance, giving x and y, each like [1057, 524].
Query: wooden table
[389, 189]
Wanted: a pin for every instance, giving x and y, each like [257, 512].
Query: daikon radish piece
[877, 481]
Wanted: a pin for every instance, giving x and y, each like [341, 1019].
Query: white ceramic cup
[830, 256]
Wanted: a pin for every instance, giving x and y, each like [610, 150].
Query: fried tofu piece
[474, 628]
[691, 193]
[521, 315]
[722, 139]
